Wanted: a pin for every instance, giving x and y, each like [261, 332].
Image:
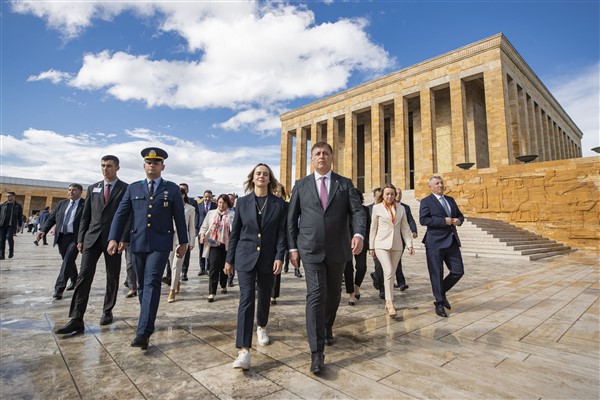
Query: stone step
[550, 254]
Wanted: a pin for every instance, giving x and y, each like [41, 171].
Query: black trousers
[89, 261]
[435, 264]
[186, 262]
[67, 247]
[202, 261]
[216, 262]
[245, 320]
[7, 234]
[351, 279]
[323, 293]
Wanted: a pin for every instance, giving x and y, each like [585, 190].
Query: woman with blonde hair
[215, 234]
[256, 250]
[389, 227]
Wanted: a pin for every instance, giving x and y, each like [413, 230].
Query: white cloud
[52, 75]
[79, 158]
[248, 55]
[579, 94]
[259, 120]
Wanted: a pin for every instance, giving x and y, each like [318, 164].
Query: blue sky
[207, 80]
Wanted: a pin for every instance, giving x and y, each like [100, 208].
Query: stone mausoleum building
[480, 104]
[479, 107]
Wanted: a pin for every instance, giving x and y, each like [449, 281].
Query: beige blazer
[190, 222]
[386, 235]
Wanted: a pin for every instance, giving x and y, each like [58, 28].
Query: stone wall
[557, 199]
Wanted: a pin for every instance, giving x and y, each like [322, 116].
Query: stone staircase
[486, 238]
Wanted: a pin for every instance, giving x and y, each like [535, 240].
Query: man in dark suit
[441, 215]
[321, 206]
[11, 219]
[103, 198]
[67, 217]
[203, 208]
[400, 279]
[153, 204]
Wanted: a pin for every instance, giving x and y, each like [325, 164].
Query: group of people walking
[323, 226]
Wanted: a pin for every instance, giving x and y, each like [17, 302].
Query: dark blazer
[57, 217]
[433, 216]
[15, 216]
[318, 234]
[97, 216]
[152, 217]
[251, 247]
[411, 221]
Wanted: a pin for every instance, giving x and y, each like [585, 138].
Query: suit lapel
[270, 208]
[439, 206]
[333, 187]
[251, 201]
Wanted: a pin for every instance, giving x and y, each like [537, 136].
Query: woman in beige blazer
[389, 227]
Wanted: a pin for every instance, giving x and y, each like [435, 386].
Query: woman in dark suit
[256, 249]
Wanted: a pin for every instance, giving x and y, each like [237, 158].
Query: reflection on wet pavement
[516, 330]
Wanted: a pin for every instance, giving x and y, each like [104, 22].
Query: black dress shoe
[286, 269]
[357, 296]
[57, 296]
[11, 254]
[71, 286]
[297, 273]
[382, 295]
[165, 280]
[106, 319]
[329, 339]
[439, 310]
[140, 341]
[403, 287]
[375, 281]
[2, 257]
[446, 303]
[184, 277]
[317, 362]
[201, 273]
[126, 284]
[73, 326]
[230, 284]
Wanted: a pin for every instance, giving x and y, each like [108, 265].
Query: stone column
[496, 99]
[399, 143]
[457, 108]
[554, 136]
[350, 156]
[425, 168]
[285, 169]
[333, 140]
[368, 132]
[513, 133]
[543, 123]
[524, 145]
[533, 148]
[300, 152]
[542, 145]
[50, 199]
[377, 147]
[27, 205]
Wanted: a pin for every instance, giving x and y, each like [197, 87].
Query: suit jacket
[57, 217]
[208, 220]
[15, 216]
[388, 235]
[202, 213]
[411, 221]
[97, 216]
[152, 217]
[251, 247]
[319, 234]
[43, 217]
[433, 216]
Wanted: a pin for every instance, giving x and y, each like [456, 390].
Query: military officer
[153, 204]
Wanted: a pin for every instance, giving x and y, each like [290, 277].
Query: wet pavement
[517, 329]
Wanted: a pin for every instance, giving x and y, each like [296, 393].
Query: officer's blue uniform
[151, 239]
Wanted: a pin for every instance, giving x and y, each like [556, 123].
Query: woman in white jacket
[214, 234]
[176, 263]
[389, 227]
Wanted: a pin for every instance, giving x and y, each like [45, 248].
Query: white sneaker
[263, 338]
[243, 360]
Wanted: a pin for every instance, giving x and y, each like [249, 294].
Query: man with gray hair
[441, 215]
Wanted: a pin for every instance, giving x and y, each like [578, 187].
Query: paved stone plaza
[517, 329]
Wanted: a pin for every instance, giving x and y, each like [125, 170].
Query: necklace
[260, 210]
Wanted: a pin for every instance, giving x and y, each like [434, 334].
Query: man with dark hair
[152, 204]
[103, 198]
[322, 207]
[67, 217]
[204, 207]
[11, 219]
